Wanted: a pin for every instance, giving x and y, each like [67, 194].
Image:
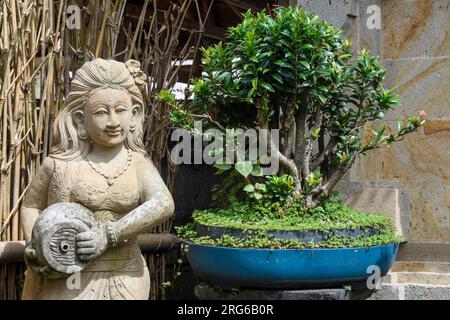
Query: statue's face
[108, 116]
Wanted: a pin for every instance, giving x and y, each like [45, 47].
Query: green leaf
[244, 168]
[315, 133]
[281, 63]
[277, 77]
[305, 64]
[250, 93]
[267, 86]
[255, 83]
[399, 125]
[222, 166]
[257, 171]
[306, 46]
[257, 196]
[260, 186]
[249, 188]
[380, 133]
[345, 56]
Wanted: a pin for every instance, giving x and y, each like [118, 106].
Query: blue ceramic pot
[288, 268]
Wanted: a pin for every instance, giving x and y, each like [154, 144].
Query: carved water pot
[53, 238]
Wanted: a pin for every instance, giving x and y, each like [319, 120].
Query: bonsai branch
[323, 191]
[300, 135]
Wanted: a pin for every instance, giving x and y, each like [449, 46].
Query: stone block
[387, 292]
[415, 28]
[421, 84]
[342, 14]
[411, 292]
[369, 38]
[430, 214]
[424, 206]
[207, 292]
[427, 292]
[429, 252]
[431, 278]
[379, 198]
[421, 266]
[419, 157]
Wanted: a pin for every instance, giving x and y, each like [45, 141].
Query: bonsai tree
[297, 74]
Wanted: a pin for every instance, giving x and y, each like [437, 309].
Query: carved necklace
[109, 179]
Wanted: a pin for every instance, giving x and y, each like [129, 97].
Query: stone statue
[96, 191]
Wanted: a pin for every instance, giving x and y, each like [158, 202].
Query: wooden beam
[256, 5]
[189, 24]
[12, 251]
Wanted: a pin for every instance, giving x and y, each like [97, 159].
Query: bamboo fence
[39, 53]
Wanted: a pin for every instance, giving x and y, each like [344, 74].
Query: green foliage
[260, 240]
[268, 61]
[261, 216]
[279, 188]
[292, 63]
[178, 115]
[290, 215]
[314, 179]
[292, 72]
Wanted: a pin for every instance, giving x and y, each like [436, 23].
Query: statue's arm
[157, 204]
[35, 199]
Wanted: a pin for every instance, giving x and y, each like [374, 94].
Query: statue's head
[104, 107]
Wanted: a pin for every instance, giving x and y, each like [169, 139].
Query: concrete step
[421, 266]
[415, 280]
[424, 251]
[410, 291]
[429, 278]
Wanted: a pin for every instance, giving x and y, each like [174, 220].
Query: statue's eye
[120, 109]
[100, 111]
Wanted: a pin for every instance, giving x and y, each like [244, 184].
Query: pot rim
[291, 249]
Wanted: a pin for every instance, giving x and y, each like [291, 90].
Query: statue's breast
[119, 197]
[77, 182]
[92, 190]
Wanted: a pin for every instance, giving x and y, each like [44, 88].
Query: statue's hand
[92, 243]
[31, 257]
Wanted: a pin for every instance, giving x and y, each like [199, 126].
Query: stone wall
[413, 44]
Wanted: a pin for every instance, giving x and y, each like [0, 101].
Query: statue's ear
[78, 118]
[135, 112]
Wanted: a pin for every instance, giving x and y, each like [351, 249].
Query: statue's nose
[113, 120]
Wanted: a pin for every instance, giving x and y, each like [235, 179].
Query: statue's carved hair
[95, 74]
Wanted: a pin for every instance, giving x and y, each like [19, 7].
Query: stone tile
[425, 251]
[334, 12]
[440, 128]
[430, 211]
[421, 266]
[412, 292]
[421, 156]
[387, 292]
[427, 292]
[415, 28]
[369, 38]
[434, 278]
[421, 164]
[382, 201]
[421, 84]
[379, 197]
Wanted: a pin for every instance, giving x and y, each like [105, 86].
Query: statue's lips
[114, 133]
